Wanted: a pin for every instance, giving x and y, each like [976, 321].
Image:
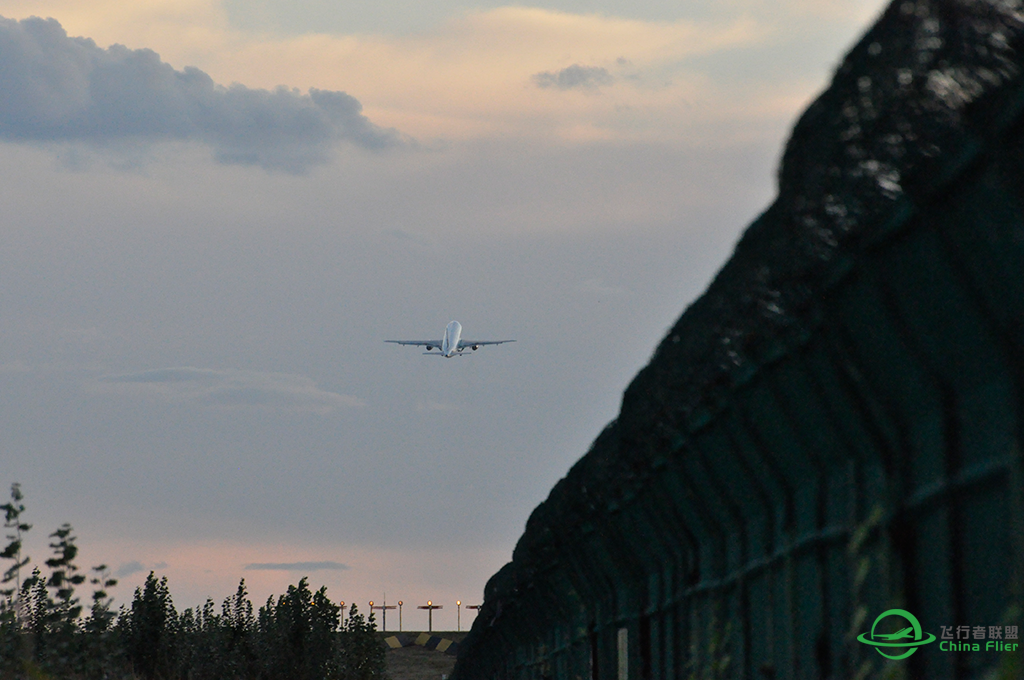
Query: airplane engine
[430, 347]
[476, 347]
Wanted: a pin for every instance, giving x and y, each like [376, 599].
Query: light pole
[384, 613]
[430, 607]
[458, 616]
[399, 616]
[342, 605]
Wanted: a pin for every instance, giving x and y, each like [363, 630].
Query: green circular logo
[909, 638]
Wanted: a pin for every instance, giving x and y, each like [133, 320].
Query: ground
[420, 663]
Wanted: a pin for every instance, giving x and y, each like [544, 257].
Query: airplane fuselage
[450, 342]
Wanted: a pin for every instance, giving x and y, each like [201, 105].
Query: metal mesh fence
[835, 428]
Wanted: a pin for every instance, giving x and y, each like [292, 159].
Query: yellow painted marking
[393, 642]
[443, 645]
[423, 639]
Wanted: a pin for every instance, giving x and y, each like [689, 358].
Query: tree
[43, 634]
[101, 648]
[100, 615]
[296, 637]
[35, 606]
[323, 642]
[12, 641]
[148, 629]
[64, 574]
[239, 625]
[59, 648]
[12, 521]
[362, 656]
[291, 627]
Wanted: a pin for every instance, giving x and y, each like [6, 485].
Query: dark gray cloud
[297, 566]
[134, 567]
[58, 88]
[129, 568]
[574, 77]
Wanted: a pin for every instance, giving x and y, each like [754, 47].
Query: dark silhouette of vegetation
[44, 633]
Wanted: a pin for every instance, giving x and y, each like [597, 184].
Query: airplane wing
[478, 343]
[425, 343]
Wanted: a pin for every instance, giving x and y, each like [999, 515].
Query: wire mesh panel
[833, 431]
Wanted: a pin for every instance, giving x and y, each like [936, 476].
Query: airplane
[452, 344]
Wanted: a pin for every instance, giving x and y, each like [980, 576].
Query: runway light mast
[384, 613]
[430, 607]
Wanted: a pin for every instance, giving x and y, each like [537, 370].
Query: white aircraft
[452, 344]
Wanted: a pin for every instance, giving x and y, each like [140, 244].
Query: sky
[214, 212]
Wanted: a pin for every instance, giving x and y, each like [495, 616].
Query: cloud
[229, 389]
[575, 76]
[599, 287]
[436, 406]
[467, 77]
[297, 566]
[62, 89]
[129, 568]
